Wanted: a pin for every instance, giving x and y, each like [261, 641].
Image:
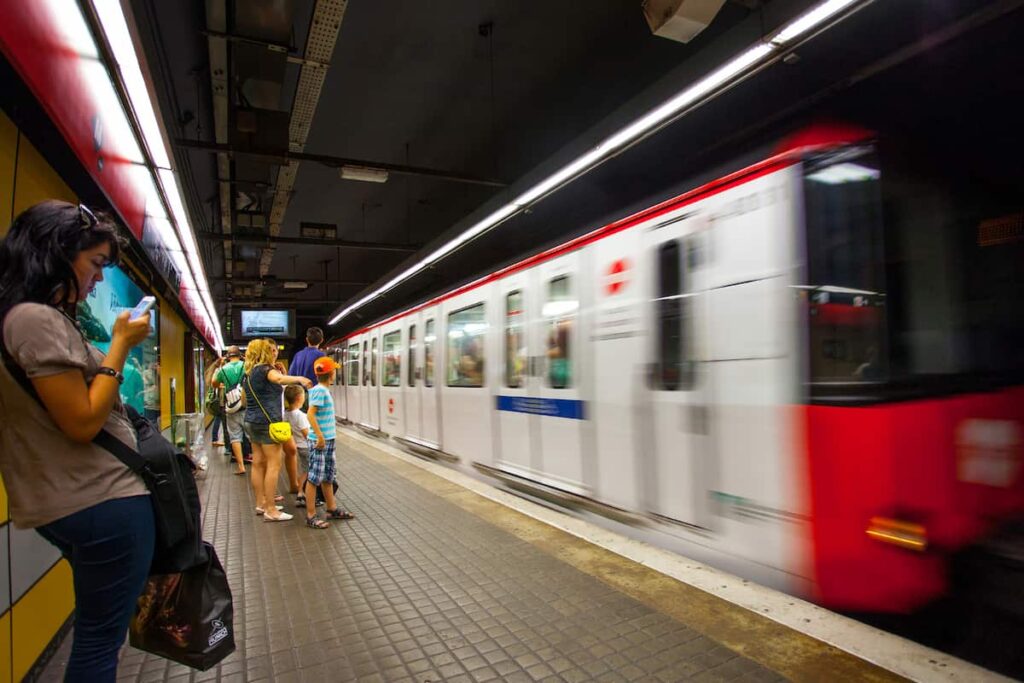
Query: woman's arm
[81, 410]
[279, 378]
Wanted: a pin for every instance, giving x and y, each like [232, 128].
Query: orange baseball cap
[324, 365]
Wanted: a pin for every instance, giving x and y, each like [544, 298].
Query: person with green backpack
[229, 378]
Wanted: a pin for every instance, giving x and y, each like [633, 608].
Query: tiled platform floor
[417, 588]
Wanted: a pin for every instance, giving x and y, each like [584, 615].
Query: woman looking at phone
[75, 494]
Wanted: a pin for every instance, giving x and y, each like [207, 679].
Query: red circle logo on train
[391, 406]
[616, 277]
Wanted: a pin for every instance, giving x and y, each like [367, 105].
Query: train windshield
[844, 292]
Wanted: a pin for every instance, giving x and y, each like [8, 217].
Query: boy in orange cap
[321, 455]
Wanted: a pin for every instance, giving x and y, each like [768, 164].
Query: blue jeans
[216, 427]
[110, 548]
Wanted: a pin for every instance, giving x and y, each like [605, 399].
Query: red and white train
[714, 366]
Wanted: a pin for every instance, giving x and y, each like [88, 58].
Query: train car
[714, 369]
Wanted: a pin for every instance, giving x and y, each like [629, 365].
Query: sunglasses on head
[87, 217]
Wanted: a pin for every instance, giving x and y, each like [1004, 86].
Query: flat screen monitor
[267, 324]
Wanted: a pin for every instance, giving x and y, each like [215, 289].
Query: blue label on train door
[549, 407]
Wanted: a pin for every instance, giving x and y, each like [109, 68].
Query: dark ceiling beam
[280, 48]
[268, 242]
[283, 156]
[277, 281]
[281, 302]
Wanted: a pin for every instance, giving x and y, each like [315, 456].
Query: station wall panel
[172, 363]
[37, 617]
[6, 670]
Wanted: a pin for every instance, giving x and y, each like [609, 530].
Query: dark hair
[315, 336]
[37, 255]
[292, 392]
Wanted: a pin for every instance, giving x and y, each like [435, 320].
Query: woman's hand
[306, 382]
[130, 332]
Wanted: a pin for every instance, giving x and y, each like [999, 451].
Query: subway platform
[438, 580]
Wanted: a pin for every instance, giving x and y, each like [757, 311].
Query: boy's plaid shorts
[321, 464]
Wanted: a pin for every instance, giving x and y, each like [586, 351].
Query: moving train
[715, 370]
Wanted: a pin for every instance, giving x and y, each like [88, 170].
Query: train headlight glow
[844, 173]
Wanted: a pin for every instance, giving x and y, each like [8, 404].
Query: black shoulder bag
[167, 474]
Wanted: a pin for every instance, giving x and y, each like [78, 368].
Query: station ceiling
[482, 92]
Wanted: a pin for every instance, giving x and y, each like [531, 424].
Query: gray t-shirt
[47, 475]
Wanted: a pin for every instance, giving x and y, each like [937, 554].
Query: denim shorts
[258, 433]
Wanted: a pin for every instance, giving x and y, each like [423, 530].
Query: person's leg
[291, 466]
[215, 433]
[110, 550]
[272, 459]
[233, 424]
[313, 478]
[258, 476]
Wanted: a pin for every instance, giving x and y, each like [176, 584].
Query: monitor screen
[267, 324]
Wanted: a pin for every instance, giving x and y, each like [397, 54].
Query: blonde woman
[263, 387]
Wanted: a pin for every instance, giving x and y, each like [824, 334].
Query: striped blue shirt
[320, 396]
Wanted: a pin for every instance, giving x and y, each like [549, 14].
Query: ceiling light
[365, 174]
[697, 93]
[295, 285]
[811, 19]
[838, 174]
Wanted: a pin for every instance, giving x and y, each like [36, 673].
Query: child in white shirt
[294, 397]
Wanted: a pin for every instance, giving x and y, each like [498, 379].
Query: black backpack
[168, 475]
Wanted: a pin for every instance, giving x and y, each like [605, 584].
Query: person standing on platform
[228, 378]
[218, 408]
[264, 405]
[57, 392]
[302, 363]
[321, 456]
[294, 397]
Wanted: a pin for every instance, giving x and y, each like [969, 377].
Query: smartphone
[142, 307]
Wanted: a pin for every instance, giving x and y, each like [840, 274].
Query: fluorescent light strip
[115, 29]
[810, 20]
[694, 94]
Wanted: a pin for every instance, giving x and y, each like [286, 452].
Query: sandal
[281, 517]
[315, 523]
[241, 471]
[261, 511]
[338, 513]
[300, 501]
[278, 498]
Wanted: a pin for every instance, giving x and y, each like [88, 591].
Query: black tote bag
[187, 617]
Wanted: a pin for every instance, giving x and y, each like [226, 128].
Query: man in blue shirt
[302, 363]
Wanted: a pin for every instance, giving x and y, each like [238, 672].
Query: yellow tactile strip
[794, 655]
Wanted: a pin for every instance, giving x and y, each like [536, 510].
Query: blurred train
[714, 369]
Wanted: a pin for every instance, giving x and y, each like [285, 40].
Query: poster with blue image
[109, 298]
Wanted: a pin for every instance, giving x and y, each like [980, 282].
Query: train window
[412, 355]
[675, 372]
[373, 362]
[353, 365]
[466, 330]
[393, 359]
[428, 354]
[845, 295]
[560, 313]
[366, 365]
[515, 340]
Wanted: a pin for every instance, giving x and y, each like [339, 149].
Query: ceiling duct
[680, 20]
[323, 33]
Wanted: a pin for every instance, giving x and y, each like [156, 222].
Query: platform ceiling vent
[680, 20]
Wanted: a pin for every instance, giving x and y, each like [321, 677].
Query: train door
[352, 376]
[680, 408]
[517, 427]
[558, 408]
[413, 377]
[338, 390]
[429, 385]
[392, 406]
[373, 388]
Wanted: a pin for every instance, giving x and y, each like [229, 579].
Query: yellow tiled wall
[33, 619]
